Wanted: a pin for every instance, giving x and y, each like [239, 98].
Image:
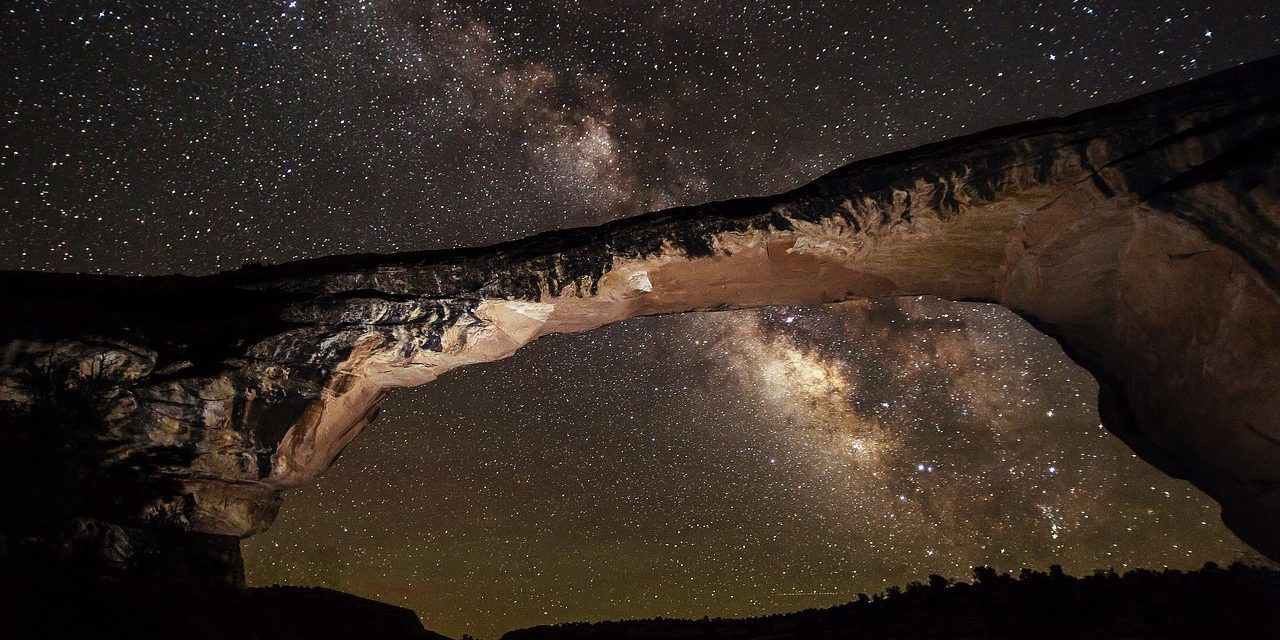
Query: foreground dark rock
[149, 423]
[1238, 602]
[141, 612]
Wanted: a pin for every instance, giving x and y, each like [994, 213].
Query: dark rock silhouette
[132, 611]
[1237, 602]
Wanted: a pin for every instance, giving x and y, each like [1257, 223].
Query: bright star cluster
[718, 464]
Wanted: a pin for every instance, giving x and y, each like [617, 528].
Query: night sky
[721, 464]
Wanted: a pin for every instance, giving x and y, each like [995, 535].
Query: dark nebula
[721, 464]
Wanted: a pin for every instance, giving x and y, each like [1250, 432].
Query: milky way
[717, 464]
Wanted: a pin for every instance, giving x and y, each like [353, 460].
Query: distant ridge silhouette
[1236, 602]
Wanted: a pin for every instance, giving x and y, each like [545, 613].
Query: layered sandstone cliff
[1144, 236]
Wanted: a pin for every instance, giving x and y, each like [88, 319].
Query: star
[708, 458]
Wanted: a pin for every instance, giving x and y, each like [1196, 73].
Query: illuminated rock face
[1144, 236]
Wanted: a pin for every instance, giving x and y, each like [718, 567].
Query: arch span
[1144, 236]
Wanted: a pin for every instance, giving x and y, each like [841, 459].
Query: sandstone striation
[167, 414]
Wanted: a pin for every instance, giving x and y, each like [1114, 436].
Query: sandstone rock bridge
[165, 415]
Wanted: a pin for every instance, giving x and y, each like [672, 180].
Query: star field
[719, 464]
[735, 464]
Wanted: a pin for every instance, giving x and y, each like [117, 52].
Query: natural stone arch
[1144, 236]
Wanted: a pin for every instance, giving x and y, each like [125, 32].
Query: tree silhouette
[1208, 603]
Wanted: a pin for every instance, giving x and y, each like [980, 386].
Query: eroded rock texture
[1144, 236]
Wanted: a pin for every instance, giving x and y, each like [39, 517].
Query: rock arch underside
[1144, 236]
